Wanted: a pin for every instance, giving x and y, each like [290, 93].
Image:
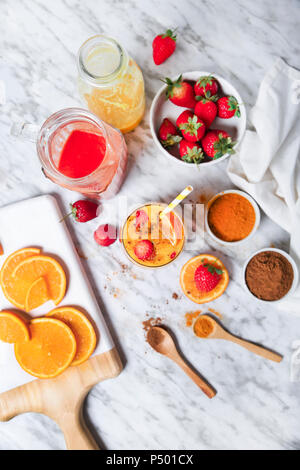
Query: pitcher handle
[25, 131]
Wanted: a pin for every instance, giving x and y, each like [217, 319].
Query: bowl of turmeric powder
[232, 217]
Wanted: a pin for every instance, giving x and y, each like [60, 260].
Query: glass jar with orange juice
[111, 83]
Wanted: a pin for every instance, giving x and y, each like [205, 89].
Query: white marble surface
[152, 405]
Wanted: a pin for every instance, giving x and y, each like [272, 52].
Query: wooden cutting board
[35, 222]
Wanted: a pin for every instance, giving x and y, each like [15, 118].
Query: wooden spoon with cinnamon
[163, 343]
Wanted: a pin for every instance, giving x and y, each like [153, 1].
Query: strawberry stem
[170, 33]
[191, 126]
[170, 85]
[66, 216]
[212, 268]
[222, 146]
[73, 213]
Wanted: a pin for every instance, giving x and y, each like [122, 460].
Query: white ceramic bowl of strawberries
[205, 146]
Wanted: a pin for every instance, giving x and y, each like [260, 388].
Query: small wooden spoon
[219, 332]
[163, 343]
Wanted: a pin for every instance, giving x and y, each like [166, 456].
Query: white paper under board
[35, 222]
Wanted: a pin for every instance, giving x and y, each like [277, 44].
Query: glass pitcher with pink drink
[79, 151]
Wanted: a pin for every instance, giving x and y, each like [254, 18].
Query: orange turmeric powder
[190, 316]
[203, 327]
[215, 312]
[231, 217]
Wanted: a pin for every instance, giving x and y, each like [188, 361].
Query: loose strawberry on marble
[168, 134]
[206, 110]
[206, 86]
[217, 143]
[163, 46]
[207, 276]
[228, 107]
[83, 210]
[180, 92]
[190, 152]
[144, 249]
[192, 128]
[105, 234]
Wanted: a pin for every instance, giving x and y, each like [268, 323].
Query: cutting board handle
[76, 433]
[62, 398]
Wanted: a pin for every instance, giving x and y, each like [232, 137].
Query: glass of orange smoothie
[150, 240]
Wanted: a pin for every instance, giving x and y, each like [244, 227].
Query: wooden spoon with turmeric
[161, 340]
[207, 327]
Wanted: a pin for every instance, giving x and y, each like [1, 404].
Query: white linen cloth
[267, 163]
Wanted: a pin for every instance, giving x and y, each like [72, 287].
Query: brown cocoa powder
[147, 324]
[269, 275]
[155, 338]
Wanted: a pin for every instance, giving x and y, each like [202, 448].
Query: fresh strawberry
[180, 92]
[206, 110]
[207, 276]
[163, 46]
[190, 152]
[141, 218]
[105, 234]
[83, 210]
[206, 86]
[217, 143]
[228, 107]
[192, 128]
[168, 134]
[144, 249]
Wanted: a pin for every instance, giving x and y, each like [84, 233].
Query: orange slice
[188, 284]
[50, 351]
[15, 291]
[37, 294]
[31, 269]
[13, 328]
[82, 328]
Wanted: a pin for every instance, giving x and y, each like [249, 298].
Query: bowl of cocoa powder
[270, 275]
